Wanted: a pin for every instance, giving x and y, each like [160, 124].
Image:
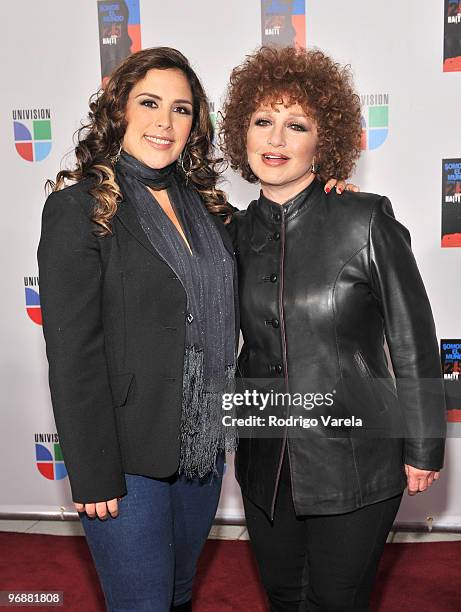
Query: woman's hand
[419, 480]
[100, 509]
[340, 186]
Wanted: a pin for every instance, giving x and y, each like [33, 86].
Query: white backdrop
[50, 60]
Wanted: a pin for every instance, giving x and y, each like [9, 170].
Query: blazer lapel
[127, 215]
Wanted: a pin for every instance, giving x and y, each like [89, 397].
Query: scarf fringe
[203, 435]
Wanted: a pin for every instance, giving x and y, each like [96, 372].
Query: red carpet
[415, 577]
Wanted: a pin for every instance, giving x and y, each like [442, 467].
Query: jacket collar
[272, 211]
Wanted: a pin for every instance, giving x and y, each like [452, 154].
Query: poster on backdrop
[451, 202]
[119, 33]
[283, 22]
[452, 36]
[450, 352]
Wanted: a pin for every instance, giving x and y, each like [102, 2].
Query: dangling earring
[116, 157]
[182, 165]
[314, 166]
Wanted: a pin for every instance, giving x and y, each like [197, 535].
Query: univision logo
[33, 299]
[32, 133]
[48, 455]
[375, 120]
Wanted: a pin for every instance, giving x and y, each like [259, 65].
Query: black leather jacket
[323, 280]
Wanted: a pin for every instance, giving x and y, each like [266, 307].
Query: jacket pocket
[121, 384]
[370, 382]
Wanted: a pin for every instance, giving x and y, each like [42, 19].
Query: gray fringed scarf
[207, 277]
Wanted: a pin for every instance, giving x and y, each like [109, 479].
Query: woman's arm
[411, 337]
[71, 299]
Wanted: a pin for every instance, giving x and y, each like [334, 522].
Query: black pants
[324, 563]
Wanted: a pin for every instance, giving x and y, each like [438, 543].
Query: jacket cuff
[425, 453]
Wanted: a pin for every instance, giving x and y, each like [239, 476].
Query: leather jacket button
[277, 217]
[276, 235]
[273, 278]
[275, 322]
[279, 368]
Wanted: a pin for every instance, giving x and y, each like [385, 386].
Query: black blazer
[114, 325]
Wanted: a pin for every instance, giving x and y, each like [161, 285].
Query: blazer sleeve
[70, 274]
[411, 337]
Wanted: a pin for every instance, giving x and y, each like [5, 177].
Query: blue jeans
[146, 557]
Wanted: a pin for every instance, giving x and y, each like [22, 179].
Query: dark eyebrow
[151, 95]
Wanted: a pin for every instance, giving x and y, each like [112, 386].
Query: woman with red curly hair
[322, 280]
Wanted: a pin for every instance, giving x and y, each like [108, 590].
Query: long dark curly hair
[309, 78]
[98, 140]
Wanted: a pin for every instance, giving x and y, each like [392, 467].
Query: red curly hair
[309, 78]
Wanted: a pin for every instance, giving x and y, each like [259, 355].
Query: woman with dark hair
[137, 292]
[322, 281]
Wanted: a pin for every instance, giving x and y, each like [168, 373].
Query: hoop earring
[181, 157]
[116, 157]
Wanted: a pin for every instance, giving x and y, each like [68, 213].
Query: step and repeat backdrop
[406, 58]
